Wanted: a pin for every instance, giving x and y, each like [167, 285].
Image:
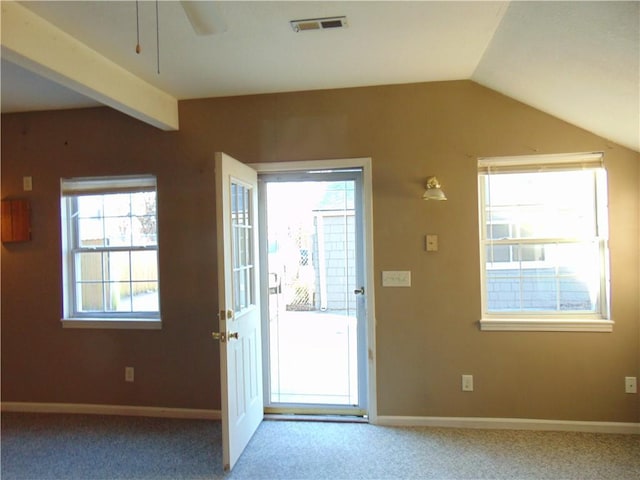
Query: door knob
[219, 336]
[359, 291]
[232, 335]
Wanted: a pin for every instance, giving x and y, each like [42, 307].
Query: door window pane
[242, 257]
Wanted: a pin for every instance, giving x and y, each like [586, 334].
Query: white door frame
[367, 217]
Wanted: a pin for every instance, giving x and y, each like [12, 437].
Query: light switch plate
[396, 278]
[467, 383]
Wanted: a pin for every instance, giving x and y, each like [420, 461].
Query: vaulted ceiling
[579, 61]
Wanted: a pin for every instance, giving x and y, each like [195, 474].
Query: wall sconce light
[433, 190]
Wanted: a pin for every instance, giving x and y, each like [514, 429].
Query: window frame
[598, 321]
[70, 190]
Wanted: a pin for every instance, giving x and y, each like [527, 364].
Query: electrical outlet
[467, 383]
[431, 243]
[128, 374]
[630, 385]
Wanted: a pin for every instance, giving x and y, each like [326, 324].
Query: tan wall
[427, 335]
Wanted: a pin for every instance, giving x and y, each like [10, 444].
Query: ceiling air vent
[318, 23]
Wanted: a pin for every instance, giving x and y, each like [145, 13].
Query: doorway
[316, 348]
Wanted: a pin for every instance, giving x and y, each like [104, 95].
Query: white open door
[239, 303]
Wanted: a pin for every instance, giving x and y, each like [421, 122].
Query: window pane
[236, 247]
[143, 209]
[117, 231]
[117, 297]
[145, 297]
[543, 204]
[88, 267]
[248, 259]
[575, 295]
[117, 266]
[498, 253]
[503, 290]
[241, 232]
[90, 206]
[234, 203]
[143, 203]
[132, 297]
[539, 292]
[250, 285]
[242, 246]
[144, 266]
[498, 231]
[242, 281]
[237, 281]
[144, 231]
[240, 191]
[117, 205]
[90, 297]
[565, 278]
[579, 272]
[528, 253]
[90, 232]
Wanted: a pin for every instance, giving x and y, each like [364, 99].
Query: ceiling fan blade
[205, 17]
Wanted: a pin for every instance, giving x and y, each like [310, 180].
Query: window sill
[545, 325]
[121, 324]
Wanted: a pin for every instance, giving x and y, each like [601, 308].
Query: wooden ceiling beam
[39, 46]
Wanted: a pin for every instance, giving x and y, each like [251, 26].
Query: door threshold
[320, 410]
[313, 417]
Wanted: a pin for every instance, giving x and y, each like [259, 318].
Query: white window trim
[121, 324]
[125, 321]
[545, 325]
[529, 322]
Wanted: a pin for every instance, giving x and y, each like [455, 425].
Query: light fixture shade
[434, 194]
[433, 190]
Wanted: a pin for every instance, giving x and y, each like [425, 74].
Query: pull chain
[157, 39]
[138, 49]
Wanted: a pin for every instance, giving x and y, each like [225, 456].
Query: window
[543, 243]
[243, 254]
[110, 252]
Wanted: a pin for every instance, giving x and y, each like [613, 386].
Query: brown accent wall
[427, 335]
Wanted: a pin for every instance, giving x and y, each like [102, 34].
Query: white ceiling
[579, 61]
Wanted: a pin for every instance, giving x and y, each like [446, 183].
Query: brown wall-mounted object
[16, 220]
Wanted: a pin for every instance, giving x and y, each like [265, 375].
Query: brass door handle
[219, 336]
[224, 337]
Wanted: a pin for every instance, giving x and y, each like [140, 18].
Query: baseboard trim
[383, 420]
[510, 424]
[124, 410]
